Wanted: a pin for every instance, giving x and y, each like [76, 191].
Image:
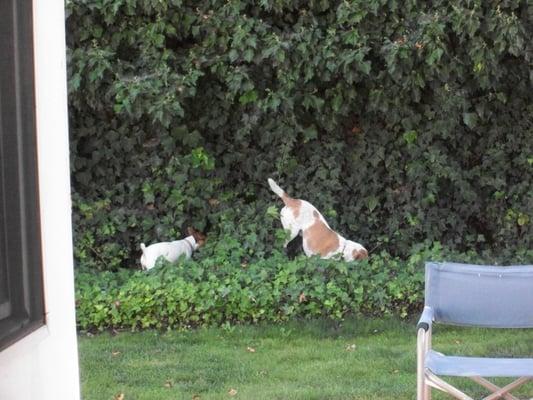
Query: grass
[360, 359]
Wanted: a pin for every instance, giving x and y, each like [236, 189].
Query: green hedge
[401, 121]
[215, 291]
[204, 293]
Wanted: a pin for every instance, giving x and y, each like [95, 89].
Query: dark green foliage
[401, 121]
[220, 291]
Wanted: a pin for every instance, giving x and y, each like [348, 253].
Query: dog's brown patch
[198, 236]
[359, 254]
[319, 238]
[294, 204]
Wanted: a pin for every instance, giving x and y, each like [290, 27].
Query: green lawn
[361, 359]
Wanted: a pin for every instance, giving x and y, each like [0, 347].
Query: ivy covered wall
[402, 121]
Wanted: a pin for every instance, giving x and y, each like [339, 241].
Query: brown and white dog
[171, 251]
[300, 216]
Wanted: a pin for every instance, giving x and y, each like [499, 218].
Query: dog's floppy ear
[198, 236]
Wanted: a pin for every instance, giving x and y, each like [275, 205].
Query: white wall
[44, 365]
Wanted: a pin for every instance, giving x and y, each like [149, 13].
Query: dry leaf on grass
[232, 392]
[168, 383]
[350, 347]
[115, 353]
[250, 349]
[119, 396]
[195, 397]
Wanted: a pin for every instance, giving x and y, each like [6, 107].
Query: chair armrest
[426, 319]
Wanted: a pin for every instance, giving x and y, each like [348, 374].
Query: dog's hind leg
[289, 224]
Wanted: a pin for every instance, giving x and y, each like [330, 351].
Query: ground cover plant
[401, 121]
[222, 291]
[360, 359]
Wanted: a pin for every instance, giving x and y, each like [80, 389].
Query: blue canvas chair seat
[440, 364]
[473, 295]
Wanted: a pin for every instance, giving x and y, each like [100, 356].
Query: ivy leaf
[372, 203]
[434, 56]
[248, 55]
[523, 219]
[410, 137]
[248, 97]
[310, 133]
[233, 55]
[365, 67]
[337, 103]
[272, 211]
[470, 120]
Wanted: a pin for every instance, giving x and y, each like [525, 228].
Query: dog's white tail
[275, 188]
[143, 247]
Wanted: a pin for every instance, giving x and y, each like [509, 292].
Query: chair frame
[427, 379]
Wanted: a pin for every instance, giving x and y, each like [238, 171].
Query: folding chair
[473, 295]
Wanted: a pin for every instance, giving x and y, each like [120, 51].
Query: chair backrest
[479, 295]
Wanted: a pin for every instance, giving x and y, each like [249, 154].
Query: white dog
[300, 216]
[171, 251]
